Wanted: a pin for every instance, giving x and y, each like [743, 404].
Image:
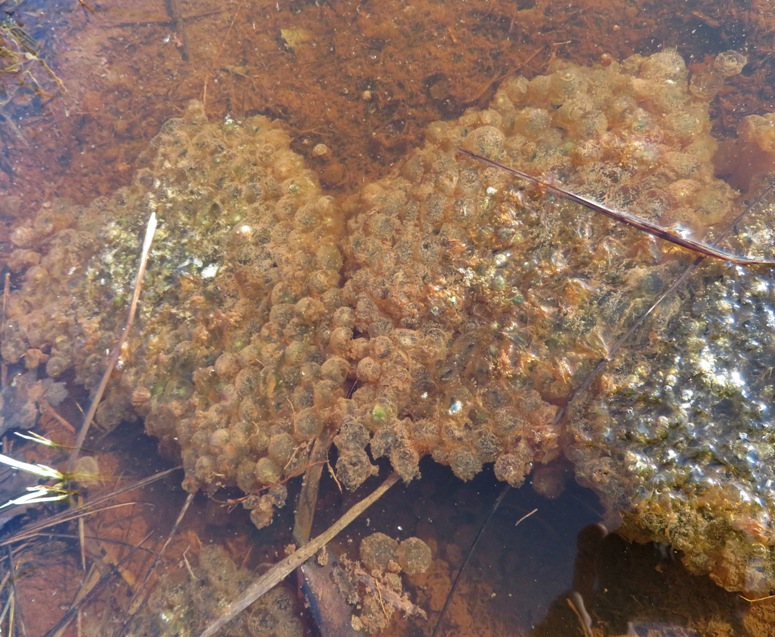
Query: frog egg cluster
[226, 362]
[445, 310]
[689, 430]
[375, 584]
[179, 605]
[478, 307]
[380, 552]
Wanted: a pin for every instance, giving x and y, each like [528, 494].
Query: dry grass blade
[8, 601]
[282, 569]
[14, 596]
[8, 610]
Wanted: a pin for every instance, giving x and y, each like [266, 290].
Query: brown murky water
[355, 83]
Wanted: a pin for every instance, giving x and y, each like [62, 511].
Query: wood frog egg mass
[441, 311]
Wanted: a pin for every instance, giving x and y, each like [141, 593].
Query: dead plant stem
[116, 353]
[282, 569]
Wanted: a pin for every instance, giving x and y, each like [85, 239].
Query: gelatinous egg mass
[445, 310]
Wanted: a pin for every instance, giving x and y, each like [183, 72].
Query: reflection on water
[356, 84]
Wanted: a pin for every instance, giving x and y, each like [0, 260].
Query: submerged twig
[305, 508]
[150, 230]
[477, 539]
[6, 294]
[285, 567]
[90, 589]
[704, 249]
[180, 28]
[139, 596]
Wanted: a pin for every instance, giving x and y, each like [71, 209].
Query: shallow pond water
[355, 83]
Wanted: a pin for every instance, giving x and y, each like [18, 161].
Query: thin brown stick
[525, 517]
[285, 567]
[92, 588]
[218, 56]
[308, 497]
[139, 597]
[634, 221]
[6, 293]
[116, 353]
[48, 410]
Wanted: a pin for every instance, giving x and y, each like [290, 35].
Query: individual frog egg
[377, 551]
[309, 310]
[485, 140]
[730, 63]
[281, 448]
[204, 469]
[705, 85]
[246, 381]
[368, 370]
[683, 126]
[218, 440]
[533, 123]
[37, 275]
[513, 467]
[335, 369]
[414, 556]
[328, 257]
[565, 84]
[246, 475]
[664, 65]
[325, 392]
[307, 423]
[538, 90]
[516, 89]
[227, 365]
[464, 464]
[287, 164]
[760, 130]
[713, 203]
[55, 367]
[405, 460]
[322, 281]
[267, 471]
